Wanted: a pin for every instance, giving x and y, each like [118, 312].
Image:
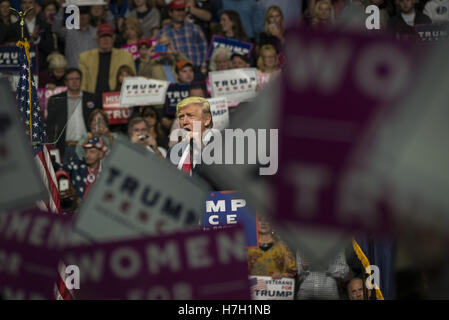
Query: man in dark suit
[403, 24]
[68, 114]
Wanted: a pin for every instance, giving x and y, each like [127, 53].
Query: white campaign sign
[236, 85]
[137, 194]
[20, 181]
[137, 91]
[220, 112]
[267, 288]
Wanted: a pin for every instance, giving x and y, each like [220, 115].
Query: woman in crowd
[98, 127]
[54, 76]
[99, 15]
[272, 258]
[147, 14]
[151, 116]
[129, 38]
[231, 26]
[123, 72]
[274, 29]
[220, 60]
[323, 14]
[268, 61]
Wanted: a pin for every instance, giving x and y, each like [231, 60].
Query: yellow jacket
[89, 63]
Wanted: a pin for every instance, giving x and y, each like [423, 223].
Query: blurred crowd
[169, 40]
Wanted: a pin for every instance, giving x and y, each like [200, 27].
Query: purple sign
[336, 91]
[191, 265]
[30, 244]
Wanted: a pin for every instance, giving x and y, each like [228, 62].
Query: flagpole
[24, 42]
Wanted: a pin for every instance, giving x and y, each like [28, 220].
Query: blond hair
[133, 23]
[205, 106]
[56, 60]
[267, 15]
[267, 48]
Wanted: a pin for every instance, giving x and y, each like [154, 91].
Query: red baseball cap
[105, 30]
[143, 41]
[176, 4]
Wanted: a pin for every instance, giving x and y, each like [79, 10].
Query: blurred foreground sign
[30, 244]
[192, 265]
[139, 193]
[20, 181]
[337, 91]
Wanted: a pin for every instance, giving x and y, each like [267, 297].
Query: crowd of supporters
[169, 40]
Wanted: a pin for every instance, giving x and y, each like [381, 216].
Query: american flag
[257, 283]
[31, 116]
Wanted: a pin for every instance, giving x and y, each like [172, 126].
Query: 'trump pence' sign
[226, 209]
[236, 84]
[193, 265]
[30, 244]
[139, 193]
[345, 84]
[140, 91]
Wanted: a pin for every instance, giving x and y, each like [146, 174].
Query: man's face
[355, 290]
[105, 43]
[26, 4]
[92, 156]
[196, 92]
[97, 11]
[139, 129]
[191, 113]
[407, 6]
[84, 19]
[4, 8]
[177, 15]
[186, 74]
[238, 63]
[73, 81]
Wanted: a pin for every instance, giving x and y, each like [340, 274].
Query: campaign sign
[20, 179]
[236, 85]
[220, 112]
[140, 91]
[9, 59]
[30, 244]
[432, 32]
[43, 94]
[175, 93]
[131, 48]
[139, 193]
[263, 79]
[226, 209]
[182, 266]
[267, 288]
[116, 113]
[333, 110]
[235, 46]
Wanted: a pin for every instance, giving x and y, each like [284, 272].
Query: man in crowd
[402, 24]
[164, 66]
[184, 70]
[355, 289]
[239, 61]
[69, 110]
[186, 37]
[76, 40]
[99, 66]
[84, 172]
[139, 132]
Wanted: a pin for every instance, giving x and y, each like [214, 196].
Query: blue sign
[9, 59]
[228, 208]
[175, 93]
[235, 46]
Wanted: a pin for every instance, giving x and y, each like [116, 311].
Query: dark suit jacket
[57, 115]
[397, 24]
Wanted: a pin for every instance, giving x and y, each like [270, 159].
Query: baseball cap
[176, 4]
[105, 30]
[62, 173]
[143, 41]
[95, 142]
[181, 64]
